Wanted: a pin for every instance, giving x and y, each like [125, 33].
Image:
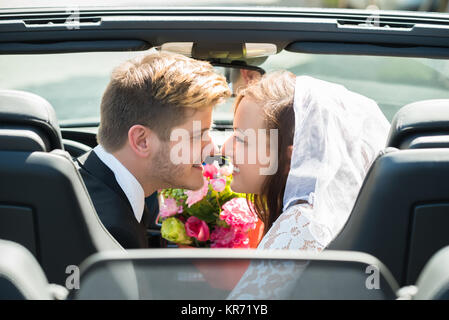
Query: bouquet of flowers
[212, 216]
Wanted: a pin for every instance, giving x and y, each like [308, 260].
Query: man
[146, 100]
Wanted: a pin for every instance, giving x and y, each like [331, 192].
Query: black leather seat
[44, 204]
[28, 123]
[75, 149]
[22, 278]
[401, 215]
[433, 282]
[423, 124]
[192, 275]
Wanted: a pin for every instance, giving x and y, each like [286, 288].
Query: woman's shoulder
[296, 213]
[291, 230]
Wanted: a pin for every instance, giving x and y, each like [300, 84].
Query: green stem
[211, 205]
[218, 202]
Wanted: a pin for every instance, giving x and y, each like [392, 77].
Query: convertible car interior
[398, 227]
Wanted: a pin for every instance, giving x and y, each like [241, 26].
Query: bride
[327, 138]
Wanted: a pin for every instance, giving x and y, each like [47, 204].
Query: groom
[146, 100]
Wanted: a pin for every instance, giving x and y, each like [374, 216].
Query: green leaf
[203, 211]
[221, 223]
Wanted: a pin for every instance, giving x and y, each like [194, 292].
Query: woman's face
[248, 148]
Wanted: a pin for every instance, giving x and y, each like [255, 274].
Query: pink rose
[218, 184]
[197, 228]
[226, 170]
[222, 237]
[198, 195]
[238, 215]
[210, 171]
[241, 240]
[169, 208]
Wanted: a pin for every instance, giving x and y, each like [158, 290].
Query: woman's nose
[226, 148]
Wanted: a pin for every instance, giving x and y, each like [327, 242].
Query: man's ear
[139, 138]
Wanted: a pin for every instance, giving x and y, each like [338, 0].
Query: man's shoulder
[83, 161]
[96, 175]
[112, 207]
[108, 204]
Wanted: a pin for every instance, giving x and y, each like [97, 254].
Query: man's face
[177, 162]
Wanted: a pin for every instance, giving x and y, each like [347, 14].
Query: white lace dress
[275, 279]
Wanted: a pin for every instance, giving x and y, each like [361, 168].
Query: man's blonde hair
[157, 91]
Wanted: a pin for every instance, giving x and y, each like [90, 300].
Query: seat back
[21, 277]
[203, 274]
[44, 204]
[433, 282]
[401, 214]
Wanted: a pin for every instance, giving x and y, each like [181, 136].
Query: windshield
[74, 83]
[412, 5]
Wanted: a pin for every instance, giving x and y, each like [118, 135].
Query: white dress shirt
[126, 180]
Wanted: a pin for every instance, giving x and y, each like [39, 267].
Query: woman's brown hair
[274, 92]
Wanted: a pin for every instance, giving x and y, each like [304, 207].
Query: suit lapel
[145, 217]
[94, 166]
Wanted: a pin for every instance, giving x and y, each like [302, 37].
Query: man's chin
[194, 181]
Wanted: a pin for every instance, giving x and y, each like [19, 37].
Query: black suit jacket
[111, 203]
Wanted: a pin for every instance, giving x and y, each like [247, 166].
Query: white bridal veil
[338, 134]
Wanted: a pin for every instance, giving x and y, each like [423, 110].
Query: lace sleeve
[274, 279]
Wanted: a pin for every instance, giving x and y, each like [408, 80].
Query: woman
[327, 138]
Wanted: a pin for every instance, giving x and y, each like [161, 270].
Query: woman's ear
[139, 138]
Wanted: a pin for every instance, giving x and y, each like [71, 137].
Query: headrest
[420, 119]
[27, 122]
